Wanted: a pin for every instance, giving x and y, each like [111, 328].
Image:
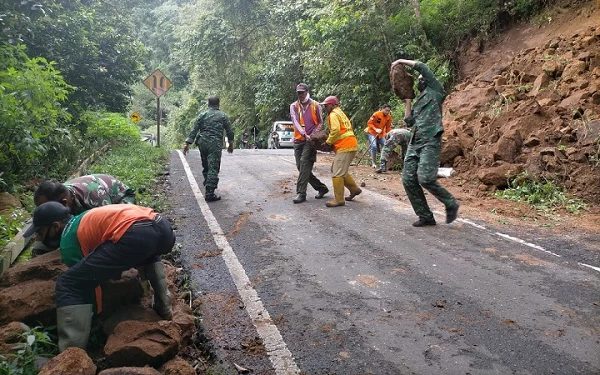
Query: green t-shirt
[70, 249]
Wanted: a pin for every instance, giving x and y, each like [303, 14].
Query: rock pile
[540, 113]
[137, 337]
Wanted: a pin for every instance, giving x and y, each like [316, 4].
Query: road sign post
[158, 83]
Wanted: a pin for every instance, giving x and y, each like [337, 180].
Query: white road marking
[280, 356]
[518, 240]
[592, 267]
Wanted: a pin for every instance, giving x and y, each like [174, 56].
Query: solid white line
[518, 240]
[280, 356]
[592, 267]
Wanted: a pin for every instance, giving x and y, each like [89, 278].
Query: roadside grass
[546, 196]
[139, 166]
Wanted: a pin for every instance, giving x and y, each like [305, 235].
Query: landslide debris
[537, 113]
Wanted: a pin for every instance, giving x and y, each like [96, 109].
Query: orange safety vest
[346, 139]
[313, 110]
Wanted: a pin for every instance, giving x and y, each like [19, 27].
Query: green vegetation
[545, 196]
[137, 164]
[35, 342]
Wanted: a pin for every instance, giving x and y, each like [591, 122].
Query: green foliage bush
[32, 118]
[543, 195]
[104, 127]
[35, 342]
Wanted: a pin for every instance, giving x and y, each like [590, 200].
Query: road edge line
[280, 356]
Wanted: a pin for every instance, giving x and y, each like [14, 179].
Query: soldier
[379, 124]
[208, 135]
[80, 194]
[307, 119]
[423, 155]
[342, 139]
[98, 245]
[395, 138]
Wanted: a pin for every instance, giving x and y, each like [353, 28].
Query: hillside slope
[530, 102]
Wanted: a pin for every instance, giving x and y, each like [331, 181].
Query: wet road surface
[302, 288]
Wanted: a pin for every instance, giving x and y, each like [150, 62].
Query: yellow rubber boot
[351, 185]
[338, 193]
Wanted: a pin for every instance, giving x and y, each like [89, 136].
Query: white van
[285, 129]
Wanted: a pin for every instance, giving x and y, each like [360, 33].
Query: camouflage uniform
[97, 190]
[395, 138]
[208, 135]
[423, 155]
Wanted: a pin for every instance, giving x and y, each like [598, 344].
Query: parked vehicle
[285, 130]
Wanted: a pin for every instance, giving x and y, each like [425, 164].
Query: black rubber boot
[322, 193]
[422, 222]
[382, 168]
[300, 198]
[211, 197]
[452, 213]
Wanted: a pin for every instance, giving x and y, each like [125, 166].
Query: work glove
[325, 147]
[378, 131]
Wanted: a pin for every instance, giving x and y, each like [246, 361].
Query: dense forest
[71, 71]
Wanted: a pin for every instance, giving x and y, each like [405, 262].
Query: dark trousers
[143, 243]
[210, 153]
[420, 171]
[306, 156]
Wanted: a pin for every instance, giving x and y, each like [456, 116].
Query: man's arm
[192, 136]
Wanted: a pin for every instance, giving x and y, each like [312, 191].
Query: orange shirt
[379, 120]
[108, 223]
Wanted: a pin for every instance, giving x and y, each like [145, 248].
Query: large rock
[31, 302]
[184, 318]
[129, 312]
[142, 343]
[499, 176]
[402, 82]
[73, 361]
[116, 293]
[177, 366]
[450, 151]
[10, 335]
[508, 147]
[43, 267]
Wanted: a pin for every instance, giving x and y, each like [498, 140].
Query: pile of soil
[530, 104]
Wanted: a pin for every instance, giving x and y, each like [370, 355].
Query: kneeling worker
[395, 138]
[98, 245]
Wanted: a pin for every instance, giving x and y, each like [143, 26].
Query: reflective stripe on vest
[313, 110]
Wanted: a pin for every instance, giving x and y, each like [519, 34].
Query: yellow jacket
[341, 135]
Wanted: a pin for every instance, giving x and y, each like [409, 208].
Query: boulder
[573, 69]
[44, 267]
[402, 82]
[10, 335]
[71, 361]
[177, 366]
[31, 302]
[508, 147]
[500, 175]
[129, 312]
[184, 318]
[140, 344]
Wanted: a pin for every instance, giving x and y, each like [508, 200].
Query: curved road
[305, 289]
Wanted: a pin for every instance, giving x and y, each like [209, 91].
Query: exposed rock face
[139, 344]
[538, 112]
[71, 361]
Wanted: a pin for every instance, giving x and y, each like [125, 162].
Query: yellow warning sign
[158, 83]
[135, 117]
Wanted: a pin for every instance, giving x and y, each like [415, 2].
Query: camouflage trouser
[306, 156]
[420, 170]
[210, 152]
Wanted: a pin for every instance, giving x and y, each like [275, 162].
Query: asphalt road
[290, 289]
